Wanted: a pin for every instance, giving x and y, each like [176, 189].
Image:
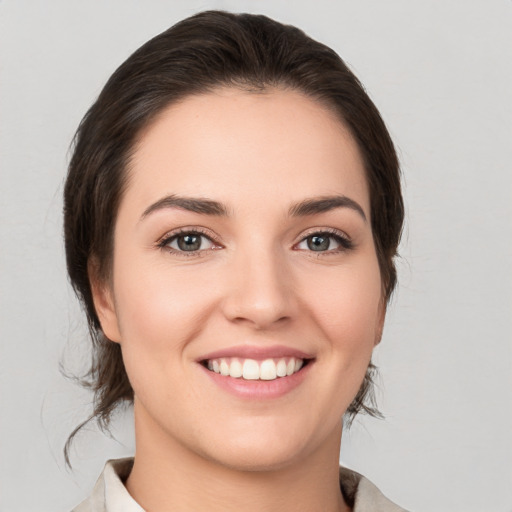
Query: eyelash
[345, 244]
[170, 237]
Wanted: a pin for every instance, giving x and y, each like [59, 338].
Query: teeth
[235, 369]
[224, 367]
[250, 369]
[281, 368]
[268, 370]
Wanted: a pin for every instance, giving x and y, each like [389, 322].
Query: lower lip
[259, 389]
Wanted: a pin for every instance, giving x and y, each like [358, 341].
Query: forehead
[277, 144]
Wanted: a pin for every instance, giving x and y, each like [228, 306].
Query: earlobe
[104, 305]
[379, 328]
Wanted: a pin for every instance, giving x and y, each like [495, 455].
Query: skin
[254, 281]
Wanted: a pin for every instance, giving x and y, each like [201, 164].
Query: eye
[187, 242]
[325, 242]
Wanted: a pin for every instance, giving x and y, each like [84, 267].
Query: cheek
[347, 305]
[159, 312]
[160, 309]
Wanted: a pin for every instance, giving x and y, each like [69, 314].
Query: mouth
[253, 369]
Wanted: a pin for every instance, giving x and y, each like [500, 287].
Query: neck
[168, 476]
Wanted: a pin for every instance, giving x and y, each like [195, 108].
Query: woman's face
[246, 292]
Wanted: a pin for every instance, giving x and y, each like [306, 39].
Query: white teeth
[235, 369]
[268, 370]
[224, 367]
[281, 368]
[250, 369]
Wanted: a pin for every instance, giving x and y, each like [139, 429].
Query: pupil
[189, 242]
[318, 243]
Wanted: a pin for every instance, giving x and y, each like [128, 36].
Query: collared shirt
[110, 494]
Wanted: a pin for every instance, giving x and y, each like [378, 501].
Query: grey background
[440, 71]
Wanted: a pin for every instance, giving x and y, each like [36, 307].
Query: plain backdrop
[441, 74]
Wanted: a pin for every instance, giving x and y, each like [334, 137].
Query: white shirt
[110, 494]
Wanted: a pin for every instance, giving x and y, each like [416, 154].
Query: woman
[232, 211]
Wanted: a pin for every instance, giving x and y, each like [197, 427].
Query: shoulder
[362, 495]
[109, 493]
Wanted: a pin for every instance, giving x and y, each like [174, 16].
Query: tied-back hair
[206, 51]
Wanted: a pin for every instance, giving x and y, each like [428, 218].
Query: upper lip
[257, 352]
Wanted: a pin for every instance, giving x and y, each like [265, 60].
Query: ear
[104, 304]
[381, 316]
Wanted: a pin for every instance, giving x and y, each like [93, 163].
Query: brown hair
[198, 54]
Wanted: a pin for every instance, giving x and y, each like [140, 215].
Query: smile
[252, 369]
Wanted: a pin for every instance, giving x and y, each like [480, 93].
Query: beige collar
[110, 494]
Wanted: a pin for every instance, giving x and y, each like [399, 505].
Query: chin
[254, 459]
[259, 451]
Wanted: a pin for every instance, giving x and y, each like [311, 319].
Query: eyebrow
[197, 205]
[325, 204]
[209, 207]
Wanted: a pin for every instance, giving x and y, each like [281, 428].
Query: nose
[260, 290]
